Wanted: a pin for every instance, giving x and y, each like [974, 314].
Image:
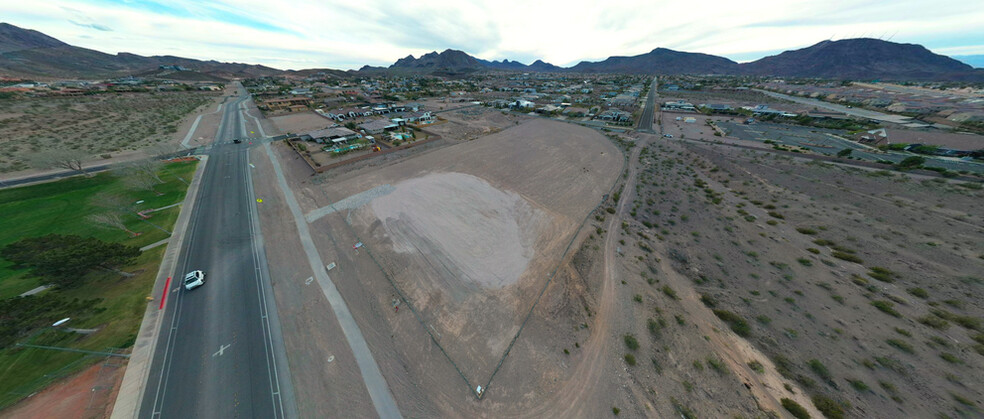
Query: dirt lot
[961, 141]
[468, 238]
[473, 122]
[89, 394]
[300, 122]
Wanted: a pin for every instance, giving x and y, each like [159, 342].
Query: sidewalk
[138, 369]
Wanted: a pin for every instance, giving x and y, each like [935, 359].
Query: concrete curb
[134, 383]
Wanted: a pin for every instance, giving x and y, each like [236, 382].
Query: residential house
[378, 126]
[332, 134]
[614, 115]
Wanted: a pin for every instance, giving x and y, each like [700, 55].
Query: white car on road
[194, 279]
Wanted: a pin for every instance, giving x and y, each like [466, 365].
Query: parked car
[194, 279]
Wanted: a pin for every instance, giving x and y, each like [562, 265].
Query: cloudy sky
[348, 34]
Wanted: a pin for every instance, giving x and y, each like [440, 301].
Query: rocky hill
[862, 58]
[661, 61]
[29, 53]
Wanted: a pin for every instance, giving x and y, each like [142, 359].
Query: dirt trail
[575, 398]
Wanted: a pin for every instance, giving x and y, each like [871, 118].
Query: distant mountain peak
[859, 58]
[13, 38]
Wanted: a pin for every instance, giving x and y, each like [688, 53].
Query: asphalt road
[819, 141]
[648, 113]
[220, 352]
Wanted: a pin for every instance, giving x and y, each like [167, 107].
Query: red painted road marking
[164, 293]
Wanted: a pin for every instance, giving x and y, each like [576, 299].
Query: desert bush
[918, 292]
[795, 409]
[901, 345]
[630, 359]
[963, 400]
[631, 342]
[830, 408]
[808, 231]
[670, 292]
[847, 256]
[717, 365]
[858, 385]
[804, 262]
[951, 358]
[886, 307]
[820, 369]
[736, 322]
[882, 274]
[756, 366]
[934, 322]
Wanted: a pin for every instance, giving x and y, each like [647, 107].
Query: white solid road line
[375, 383]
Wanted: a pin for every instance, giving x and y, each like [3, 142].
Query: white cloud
[346, 34]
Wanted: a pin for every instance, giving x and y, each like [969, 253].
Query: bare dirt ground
[300, 122]
[88, 394]
[473, 122]
[467, 237]
[861, 287]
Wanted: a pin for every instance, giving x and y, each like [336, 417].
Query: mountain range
[29, 53]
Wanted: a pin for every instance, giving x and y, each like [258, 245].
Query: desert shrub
[813, 250]
[708, 300]
[631, 342]
[858, 385]
[830, 408]
[918, 292]
[900, 345]
[804, 262]
[630, 359]
[951, 358]
[890, 363]
[963, 400]
[847, 256]
[756, 366]
[736, 322]
[934, 322]
[774, 214]
[717, 365]
[882, 274]
[615, 410]
[967, 322]
[823, 242]
[808, 231]
[886, 307]
[795, 409]
[820, 369]
[670, 292]
[637, 298]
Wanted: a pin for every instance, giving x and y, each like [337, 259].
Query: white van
[194, 279]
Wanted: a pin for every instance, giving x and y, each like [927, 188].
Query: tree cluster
[65, 260]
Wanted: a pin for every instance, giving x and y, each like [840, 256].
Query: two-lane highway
[649, 111]
[220, 353]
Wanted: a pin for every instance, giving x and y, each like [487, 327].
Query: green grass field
[61, 207]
